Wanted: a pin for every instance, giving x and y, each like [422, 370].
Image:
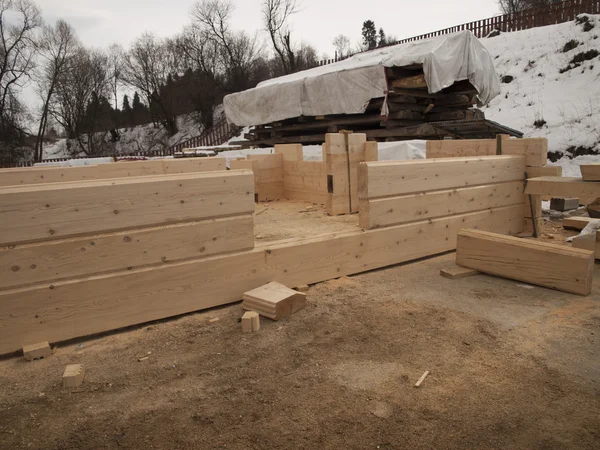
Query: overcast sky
[100, 23]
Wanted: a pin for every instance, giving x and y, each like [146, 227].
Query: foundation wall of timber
[82, 257]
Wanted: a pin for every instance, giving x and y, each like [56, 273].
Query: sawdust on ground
[509, 368]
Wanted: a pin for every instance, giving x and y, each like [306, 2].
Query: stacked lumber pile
[274, 300]
[58, 234]
[412, 113]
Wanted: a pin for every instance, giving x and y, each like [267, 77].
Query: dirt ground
[287, 219]
[511, 367]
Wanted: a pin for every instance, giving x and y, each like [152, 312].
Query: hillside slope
[549, 88]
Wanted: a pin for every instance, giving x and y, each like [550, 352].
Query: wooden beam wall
[94, 304]
[268, 176]
[41, 212]
[37, 175]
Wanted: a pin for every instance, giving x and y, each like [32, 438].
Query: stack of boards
[274, 300]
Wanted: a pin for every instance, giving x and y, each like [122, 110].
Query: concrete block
[37, 351]
[73, 375]
[564, 204]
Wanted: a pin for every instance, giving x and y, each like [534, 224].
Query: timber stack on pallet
[408, 112]
[55, 235]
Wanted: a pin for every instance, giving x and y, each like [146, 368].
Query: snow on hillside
[146, 137]
[540, 100]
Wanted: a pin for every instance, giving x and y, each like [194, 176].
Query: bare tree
[147, 67]
[276, 14]
[19, 20]
[342, 46]
[57, 45]
[116, 57]
[76, 104]
[513, 6]
[228, 57]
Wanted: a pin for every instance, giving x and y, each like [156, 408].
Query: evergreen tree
[141, 114]
[382, 39]
[369, 34]
[127, 112]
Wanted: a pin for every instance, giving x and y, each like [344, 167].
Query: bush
[539, 123]
[580, 58]
[573, 43]
[507, 79]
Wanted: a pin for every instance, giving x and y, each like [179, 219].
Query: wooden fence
[531, 18]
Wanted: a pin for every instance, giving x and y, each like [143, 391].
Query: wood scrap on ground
[456, 272]
[418, 383]
[274, 300]
[549, 265]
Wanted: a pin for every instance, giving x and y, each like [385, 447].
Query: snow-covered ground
[540, 100]
[141, 138]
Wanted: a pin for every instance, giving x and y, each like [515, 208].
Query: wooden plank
[290, 152]
[356, 155]
[546, 171]
[460, 148]
[588, 242]
[534, 149]
[576, 223]
[540, 263]
[537, 206]
[37, 175]
[336, 164]
[28, 264]
[590, 172]
[50, 211]
[456, 272]
[412, 82]
[389, 211]
[95, 304]
[274, 300]
[392, 178]
[371, 151]
[563, 187]
[269, 176]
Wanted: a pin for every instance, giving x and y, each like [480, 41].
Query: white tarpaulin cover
[347, 86]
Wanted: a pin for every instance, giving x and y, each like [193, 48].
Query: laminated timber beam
[39, 212]
[563, 187]
[84, 306]
[390, 178]
[550, 265]
[38, 175]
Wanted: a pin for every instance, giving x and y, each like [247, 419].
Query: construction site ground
[511, 366]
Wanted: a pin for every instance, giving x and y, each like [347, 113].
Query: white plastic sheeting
[347, 86]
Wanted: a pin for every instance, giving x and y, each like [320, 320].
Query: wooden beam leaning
[38, 175]
[389, 211]
[549, 265]
[564, 187]
[51, 211]
[51, 261]
[94, 304]
[391, 178]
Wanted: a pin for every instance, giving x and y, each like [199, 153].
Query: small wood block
[255, 319]
[588, 242]
[575, 223]
[247, 321]
[274, 300]
[564, 204]
[73, 375]
[303, 288]
[36, 351]
[456, 272]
